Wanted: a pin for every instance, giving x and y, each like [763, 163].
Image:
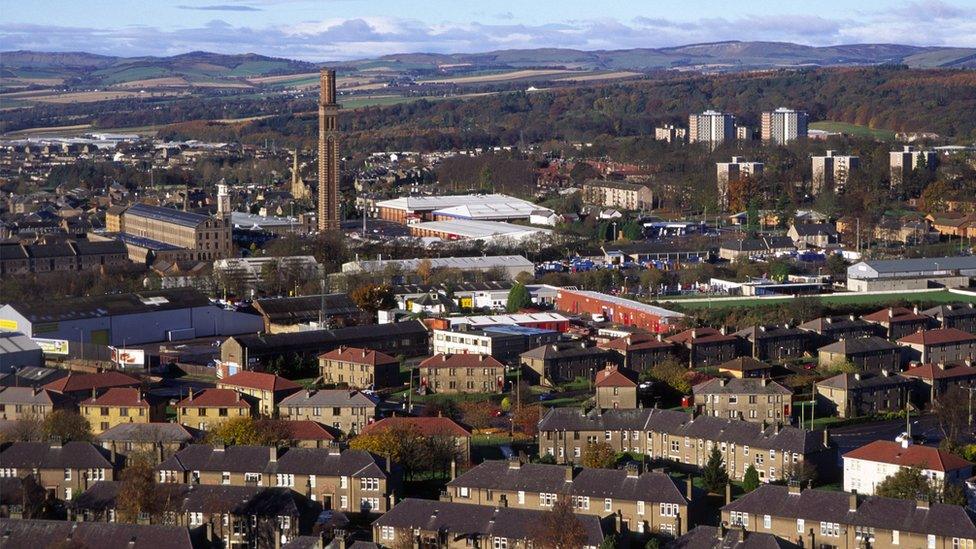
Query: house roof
[711, 537]
[428, 426]
[50, 533]
[940, 371]
[744, 364]
[209, 398]
[950, 310]
[307, 430]
[292, 310]
[916, 455]
[894, 314]
[636, 342]
[73, 382]
[260, 380]
[849, 381]
[857, 345]
[462, 519]
[836, 324]
[140, 432]
[119, 396]
[740, 386]
[41, 455]
[357, 355]
[939, 336]
[699, 335]
[680, 423]
[814, 229]
[614, 377]
[769, 332]
[258, 459]
[877, 512]
[564, 349]
[328, 398]
[461, 361]
[595, 483]
[31, 396]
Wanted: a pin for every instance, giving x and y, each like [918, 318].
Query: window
[67, 493]
[546, 499]
[745, 450]
[640, 507]
[316, 411]
[386, 532]
[104, 410]
[582, 502]
[369, 484]
[737, 518]
[124, 412]
[669, 509]
[733, 399]
[499, 543]
[67, 474]
[608, 505]
[521, 497]
[829, 529]
[576, 451]
[254, 478]
[222, 412]
[285, 479]
[196, 518]
[96, 474]
[343, 502]
[284, 522]
[464, 492]
[606, 435]
[225, 477]
[369, 504]
[799, 526]
[930, 539]
[767, 522]
[895, 537]
[343, 482]
[675, 446]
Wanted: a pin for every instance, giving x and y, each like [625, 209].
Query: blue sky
[320, 30]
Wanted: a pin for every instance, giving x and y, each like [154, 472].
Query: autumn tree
[909, 483]
[714, 475]
[139, 493]
[29, 428]
[599, 455]
[803, 472]
[477, 414]
[373, 297]
[952, 412]
[560, 528]
[247, 431]
[424, 270]
[66, 426]
[413, 450]
[526, 420]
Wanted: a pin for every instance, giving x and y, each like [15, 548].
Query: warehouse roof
[15, 342]
[462, 263]
[629, 303]
[926, 264]
[168, 215]
[431, 203]
[74, 308]
[475, 230]
[292, 310]
[324, 338]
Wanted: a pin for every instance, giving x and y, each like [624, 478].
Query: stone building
[342, 409]
[209, 408]
[119, 406]
[359, 368]
[465, 373]
[852, 395]
[616, 388]
[266, 389]
[750, 399]
[869, 354]
[65, 470]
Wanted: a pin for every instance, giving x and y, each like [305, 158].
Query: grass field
[853, 129]
[836, 299]
[499, 77]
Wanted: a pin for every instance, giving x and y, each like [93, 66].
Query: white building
[485, 207]
[511, 264]
[903, 162]
[712, 127]
[732, 172]
[910, 274]
[252, 271]
[482, 231]
[831, 171]
[868, 466]
[783, 125]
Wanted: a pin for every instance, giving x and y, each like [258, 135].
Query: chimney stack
[569, 473]
[852, 501]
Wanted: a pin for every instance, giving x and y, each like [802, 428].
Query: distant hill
[85, 69]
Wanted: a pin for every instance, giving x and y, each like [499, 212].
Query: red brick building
[617, 309]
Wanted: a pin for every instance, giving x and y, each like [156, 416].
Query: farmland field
[500, 77]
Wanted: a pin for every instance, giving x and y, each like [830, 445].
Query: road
[855, 436]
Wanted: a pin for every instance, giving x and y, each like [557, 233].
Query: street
[855, 436]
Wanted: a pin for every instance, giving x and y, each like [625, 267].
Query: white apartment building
[831, 171]
[727, 172]
[783, 125]
[711, 126]
[868, 466]
[903, 162]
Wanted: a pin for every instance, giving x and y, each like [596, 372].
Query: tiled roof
[462, 519]
[86, 382]
[306, 430]
[119, 396]
[858, 345]
[635, 342]
[939, 336]
[744, 364]
[428, 426]
[916, 455]
[894, 314]
[699, 335]
[260, 380]
[461, 361]
[207, 398]
[614, 377]
[815, 505]
[595, 483]
[357, 355]
[940, 371]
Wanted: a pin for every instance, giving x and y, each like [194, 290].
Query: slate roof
[858, 345]
[168, 215]
[951, 310]
[770, 332]
[835, 323]
[328, 398]
[864, 381]
[814, 505]
[710, 537]
[52, 533]
[814, 229]
[462, 520]
[679, 423]
[737, 386]
[283, 342]
[564, 349]
[147, 432]
[595, 483]
[41, 455]
[461, 361]
[31, 396]
[916, 455]
[257, 459]
[292, 310]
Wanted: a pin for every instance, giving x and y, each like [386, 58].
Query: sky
[325, 30]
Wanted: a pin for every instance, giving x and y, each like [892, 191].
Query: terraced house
[119, 406]
[211, 407]
[63, 470]
[637, 503]
[350, 481]
[685, 439]
[266, 389]
[359, 368]
[821, 518]
[446, 525]
[26, 402]
[751, 399]
[342, 409]
[464, 373]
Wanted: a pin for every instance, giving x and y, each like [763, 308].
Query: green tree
[609, 542]
[653, 543]
[518, 298]
[908, 483]
[599, 455]
[751, 479]
[953, 494]
[714, 476]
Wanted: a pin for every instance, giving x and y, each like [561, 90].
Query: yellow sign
[8, 325]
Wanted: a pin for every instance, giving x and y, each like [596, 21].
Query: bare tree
[560, 528]
[952, 412]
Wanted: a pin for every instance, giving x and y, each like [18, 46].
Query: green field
[853, 129]
[835, 299]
